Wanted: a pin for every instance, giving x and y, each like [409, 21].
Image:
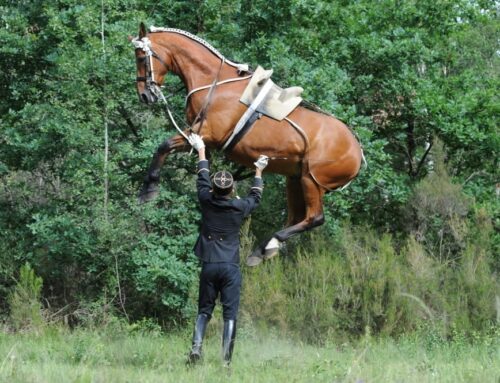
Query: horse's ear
[130, 38]
[142, 31]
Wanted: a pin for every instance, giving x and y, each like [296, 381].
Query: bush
[324, 291]
[437, 210]
[25, 306]
[336, 288]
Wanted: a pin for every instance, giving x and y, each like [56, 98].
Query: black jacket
[219, 239]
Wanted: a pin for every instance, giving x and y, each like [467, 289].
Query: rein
[202, 114]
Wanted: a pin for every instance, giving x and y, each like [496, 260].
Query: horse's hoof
[256, 258]
[272, 249]
[270, 253]
[148, 194]
[254, 261]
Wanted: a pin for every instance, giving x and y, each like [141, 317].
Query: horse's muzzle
[148, 97]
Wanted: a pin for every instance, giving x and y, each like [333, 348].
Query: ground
[96, 356]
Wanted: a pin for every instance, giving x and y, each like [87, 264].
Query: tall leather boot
[228, 336]
[198, 334]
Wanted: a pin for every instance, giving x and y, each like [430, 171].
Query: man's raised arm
[203, 183]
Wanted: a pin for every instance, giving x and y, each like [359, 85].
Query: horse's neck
[194, 64]
[197, 67]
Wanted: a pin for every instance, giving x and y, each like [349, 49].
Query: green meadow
[93, 356]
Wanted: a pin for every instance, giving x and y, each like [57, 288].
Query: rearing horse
[315, 151]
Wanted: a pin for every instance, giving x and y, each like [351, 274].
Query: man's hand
[196, 141]
[261, 162]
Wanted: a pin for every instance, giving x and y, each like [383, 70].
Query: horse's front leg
[150, 187]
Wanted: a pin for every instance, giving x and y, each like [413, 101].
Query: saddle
[278, 102]
[263, 96]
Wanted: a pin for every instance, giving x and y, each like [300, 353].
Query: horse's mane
[241, 67]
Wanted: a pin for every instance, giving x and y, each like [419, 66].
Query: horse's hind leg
[313, 202]
[310, 212]
[296, 214]
[150, 188]
[295, 200]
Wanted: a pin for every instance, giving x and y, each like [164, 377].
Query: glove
[196, 141]
[261, 162]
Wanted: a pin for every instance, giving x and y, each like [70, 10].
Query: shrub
[25, 306]
[336, 288]
[324, 291]
[437, 210]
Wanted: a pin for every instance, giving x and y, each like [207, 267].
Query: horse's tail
[363, 156]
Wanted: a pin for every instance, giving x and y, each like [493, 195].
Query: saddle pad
[278, 103]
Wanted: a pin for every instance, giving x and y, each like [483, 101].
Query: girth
[244, 130]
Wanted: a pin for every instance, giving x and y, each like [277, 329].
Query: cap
[223, 182]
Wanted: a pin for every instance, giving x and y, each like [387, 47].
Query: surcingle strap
[244, 130]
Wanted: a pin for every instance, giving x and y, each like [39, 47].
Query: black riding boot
[198, 334]
[228, 337]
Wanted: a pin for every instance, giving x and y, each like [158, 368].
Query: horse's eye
[141, 59]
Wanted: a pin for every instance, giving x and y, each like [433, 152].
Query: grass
[93, 356]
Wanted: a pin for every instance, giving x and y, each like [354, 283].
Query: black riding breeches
[223, 279]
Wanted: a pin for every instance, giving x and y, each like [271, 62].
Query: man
[218, 248]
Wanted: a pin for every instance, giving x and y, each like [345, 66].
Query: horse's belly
[275, 139]
[331, 152]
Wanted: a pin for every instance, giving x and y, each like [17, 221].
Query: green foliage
[439, 209]
[52, 152]
[24, 301]
[399, 73]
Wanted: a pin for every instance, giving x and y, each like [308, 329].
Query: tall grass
[336, 288]
[439, 273]
[92, 356]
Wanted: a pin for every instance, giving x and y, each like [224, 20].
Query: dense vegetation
[412, 242]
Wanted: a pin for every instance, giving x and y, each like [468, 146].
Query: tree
[399, 73]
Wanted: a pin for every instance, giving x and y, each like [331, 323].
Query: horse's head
[151, 67]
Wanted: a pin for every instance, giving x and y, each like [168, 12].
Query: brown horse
[315, 151]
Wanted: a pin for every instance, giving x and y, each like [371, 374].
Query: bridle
[145, 45]
[154, 88]
[151, 85]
